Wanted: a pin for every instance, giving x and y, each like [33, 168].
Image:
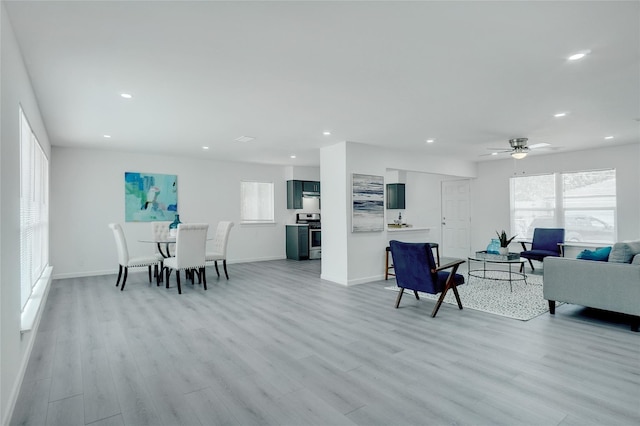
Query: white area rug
[493, 296]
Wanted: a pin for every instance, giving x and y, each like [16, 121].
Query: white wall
[15, 90]
[87, 193]
[364, 258]
[490, 191]
[309, 205]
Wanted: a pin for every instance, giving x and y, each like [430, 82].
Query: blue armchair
[416, 270]
[545, 243]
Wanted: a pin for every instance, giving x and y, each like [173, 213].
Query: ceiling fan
[519, 148]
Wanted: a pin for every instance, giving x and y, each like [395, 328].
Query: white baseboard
[114, 271]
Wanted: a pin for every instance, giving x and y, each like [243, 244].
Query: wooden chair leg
[149, 273]
[416, 293]
[178, 280]
[455, 292]
[215, 263]
[552, 307]
[450, 284]
[119, 275]
[439, 302]
[124, 279]
[400, 292]
[167, 277]
[531, 264]
[386, 265]
[224, 266]
[204, 277]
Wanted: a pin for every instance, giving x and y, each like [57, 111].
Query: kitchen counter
[407, 229]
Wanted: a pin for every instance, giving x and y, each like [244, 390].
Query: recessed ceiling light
[205, 148]
[431, 140]
[494, 153]
[106, 136]
[244, 139]
[293, 156]
[126, 95]
[560, 114]
[326, 133]
[608, 137]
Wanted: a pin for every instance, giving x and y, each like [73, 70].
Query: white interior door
[456, 219]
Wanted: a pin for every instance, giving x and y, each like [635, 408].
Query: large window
[583, 203]
[34, 209]
[256, 202]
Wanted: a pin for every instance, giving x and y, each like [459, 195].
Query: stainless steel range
[315, 233]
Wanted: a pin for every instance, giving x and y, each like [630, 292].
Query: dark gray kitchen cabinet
[395, 196]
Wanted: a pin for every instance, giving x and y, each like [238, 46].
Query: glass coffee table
[487, 262]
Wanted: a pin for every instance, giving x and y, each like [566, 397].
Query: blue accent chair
[545, 243]
[416, 270]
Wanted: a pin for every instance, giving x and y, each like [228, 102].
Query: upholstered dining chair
[191, 243]
[546, 242]
[416, 270]
[160, 232]
[125, 261]
[220, 242]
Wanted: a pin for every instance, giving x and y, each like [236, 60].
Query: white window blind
[583, 203]
[257, 202]
[34, 209]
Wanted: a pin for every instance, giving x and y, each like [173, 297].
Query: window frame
[563, 208]
[269, 218]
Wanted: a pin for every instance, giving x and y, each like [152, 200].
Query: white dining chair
[220, 242]
[160, 232]
[191, 244]
[125, 261]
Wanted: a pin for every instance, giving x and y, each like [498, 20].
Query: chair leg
[552, 307]
[119, 275]
[124, 280]
[531, 264]
[399, 297]
[455, 292]
[149, 273]
[204, 277]
[167, 277]
[215, 263]
[416, 293]
[178, 280]
[449, 284]
[386, 265]
[224, 266]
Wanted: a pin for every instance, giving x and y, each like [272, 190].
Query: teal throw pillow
[601, 254]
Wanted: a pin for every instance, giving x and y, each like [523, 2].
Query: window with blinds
[256, 202]
[34, 209]
[583, 203]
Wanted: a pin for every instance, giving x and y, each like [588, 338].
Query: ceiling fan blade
[539, 145]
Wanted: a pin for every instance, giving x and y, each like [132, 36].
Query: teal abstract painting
[150, 197]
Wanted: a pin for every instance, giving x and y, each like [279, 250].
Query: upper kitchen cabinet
[298, 189]
[395, 196]
[311, 187]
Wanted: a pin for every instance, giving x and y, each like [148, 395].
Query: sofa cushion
[623, 252]
[636, 259]
[601, 254]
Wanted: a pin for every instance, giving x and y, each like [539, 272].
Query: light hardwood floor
[275, 345]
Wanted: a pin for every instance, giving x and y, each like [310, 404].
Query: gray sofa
[613, 285]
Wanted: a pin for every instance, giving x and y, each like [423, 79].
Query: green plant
[504, 240]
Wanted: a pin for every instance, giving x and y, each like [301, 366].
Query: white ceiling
[471, 75]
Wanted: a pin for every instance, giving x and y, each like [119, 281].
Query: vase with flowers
[504, 242]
